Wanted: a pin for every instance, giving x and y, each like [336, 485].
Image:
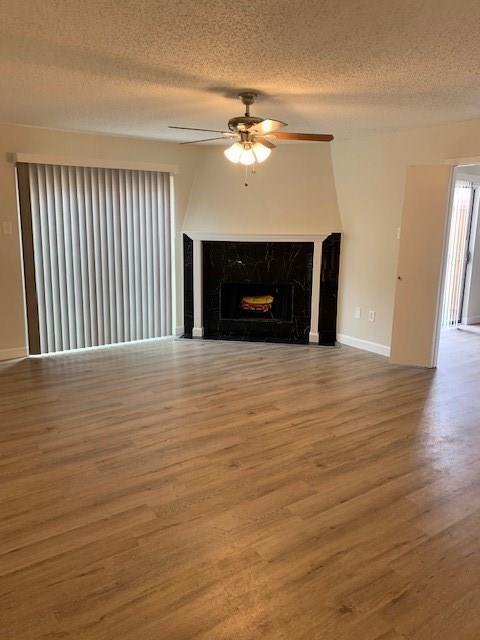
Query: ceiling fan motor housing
[242, 123]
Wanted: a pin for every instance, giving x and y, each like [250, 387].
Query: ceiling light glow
[248, 157]
[261, 151]
[247, 153]
[234, 152]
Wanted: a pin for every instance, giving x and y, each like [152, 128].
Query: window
[100, 244]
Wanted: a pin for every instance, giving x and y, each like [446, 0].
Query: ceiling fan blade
[265, 142]
[194, 129]
[313, 137]
[204, 140]
[267, 126]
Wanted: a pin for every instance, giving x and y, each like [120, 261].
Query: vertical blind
[457, 254]
[102, 254]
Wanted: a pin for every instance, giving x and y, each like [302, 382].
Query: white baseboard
[365, 345]
[11, 354]
[313, 337]
[472, 320]
[197, 332]
[179, 331]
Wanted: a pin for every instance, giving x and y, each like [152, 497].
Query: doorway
[458, 253]
[461, 290]
[425, 279]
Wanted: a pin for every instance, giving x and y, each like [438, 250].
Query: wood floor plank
[207, 490]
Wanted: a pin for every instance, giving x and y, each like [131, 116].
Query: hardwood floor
[472, 328]
[211, 490]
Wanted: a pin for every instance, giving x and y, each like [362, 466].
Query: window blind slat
[124, 281]
[48, 268]
[38, 257]
[53, 272]
[97, 259]
[167, 307]
[60, 242]
[155, 253]
[130, 254]
[69, 282]
[148, 253]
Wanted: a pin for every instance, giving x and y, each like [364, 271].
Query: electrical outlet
[371, 315]
[357, 314]
[398, 233]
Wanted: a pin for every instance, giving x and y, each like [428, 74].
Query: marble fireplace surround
[198, 238]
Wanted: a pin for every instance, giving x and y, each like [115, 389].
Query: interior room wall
[292, 193]
[295, 191]
[370, 177]
[77, 146]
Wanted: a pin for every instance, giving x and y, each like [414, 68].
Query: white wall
[292, 193]
[370, 178]
[16, 139]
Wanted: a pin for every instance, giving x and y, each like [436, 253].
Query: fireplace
[283, 290]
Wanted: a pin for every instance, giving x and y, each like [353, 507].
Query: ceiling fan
[252, 136]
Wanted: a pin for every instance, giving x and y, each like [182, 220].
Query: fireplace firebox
[248, 271]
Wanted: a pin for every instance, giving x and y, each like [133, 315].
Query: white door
[420, 265]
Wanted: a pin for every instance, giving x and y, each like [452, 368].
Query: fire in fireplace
[257, 304]
[261, 302]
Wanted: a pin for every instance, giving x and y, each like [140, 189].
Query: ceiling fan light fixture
[234, 152]
[247, 153]
[261, 151]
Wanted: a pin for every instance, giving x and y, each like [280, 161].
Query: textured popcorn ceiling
[343, 66]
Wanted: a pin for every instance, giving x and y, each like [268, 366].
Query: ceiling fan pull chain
[253, 171]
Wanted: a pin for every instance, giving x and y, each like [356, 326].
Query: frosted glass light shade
[261, 151]
[247, 157]
[247, 153]
[234, 152]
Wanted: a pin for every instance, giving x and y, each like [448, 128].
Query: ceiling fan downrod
[248, 98]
